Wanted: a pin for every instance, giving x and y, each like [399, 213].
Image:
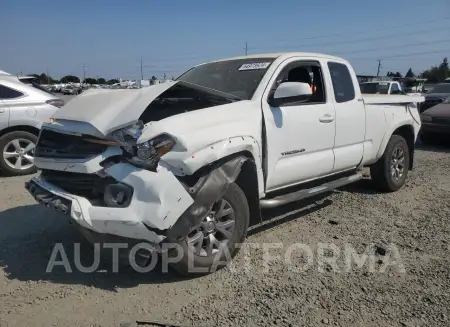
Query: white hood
[109, 110]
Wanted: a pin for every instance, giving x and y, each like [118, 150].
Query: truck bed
[391, 99]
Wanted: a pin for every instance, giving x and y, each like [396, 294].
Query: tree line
[435, 74]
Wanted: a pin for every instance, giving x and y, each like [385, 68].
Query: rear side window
[342, 82]
[8, 93]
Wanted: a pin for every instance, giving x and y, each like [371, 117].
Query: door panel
[350, 117]
[300, 139]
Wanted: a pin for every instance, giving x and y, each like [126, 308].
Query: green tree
[113, 81]
[70, 79]
[437, 74]
[101, 81]
[410, 73]
[90, 80]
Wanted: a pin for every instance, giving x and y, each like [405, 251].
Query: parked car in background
[435, 96]
[24, 106]
[71, 90]
[436, 122]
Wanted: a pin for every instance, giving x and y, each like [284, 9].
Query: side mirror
[289, 92]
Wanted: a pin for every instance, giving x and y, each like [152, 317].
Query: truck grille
[90, 186]
[52, 144]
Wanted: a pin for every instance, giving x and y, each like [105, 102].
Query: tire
[236, 198]
[384, 177]
[8, 146]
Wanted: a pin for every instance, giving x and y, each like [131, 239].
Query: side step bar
[306, 193]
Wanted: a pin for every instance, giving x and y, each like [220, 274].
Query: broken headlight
[149, 153]
[127, 136]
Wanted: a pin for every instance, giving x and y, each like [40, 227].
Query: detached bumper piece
[48, 199]
[125, 201]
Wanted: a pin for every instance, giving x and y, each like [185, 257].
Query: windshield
[441, 88]
[238, 77]
[375, 88]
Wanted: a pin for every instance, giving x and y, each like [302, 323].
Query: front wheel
[214, 242]
[390, 171]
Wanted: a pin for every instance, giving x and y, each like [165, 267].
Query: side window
[342, 82]
[394, 89]
[8, 93]
[305, 72]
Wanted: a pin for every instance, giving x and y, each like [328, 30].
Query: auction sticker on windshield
[256, 65]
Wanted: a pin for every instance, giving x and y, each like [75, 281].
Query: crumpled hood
[109, 110]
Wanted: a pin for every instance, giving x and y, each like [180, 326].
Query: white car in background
[24, 106]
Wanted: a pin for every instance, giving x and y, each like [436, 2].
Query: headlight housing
[127, 136]
[149, 153]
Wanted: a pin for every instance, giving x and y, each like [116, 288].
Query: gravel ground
[413, 221]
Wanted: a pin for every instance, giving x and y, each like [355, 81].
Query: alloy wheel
[215, 231]
[397, 163]
[19, 154]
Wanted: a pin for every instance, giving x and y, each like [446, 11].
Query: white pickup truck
[386, 87]
[193, 162]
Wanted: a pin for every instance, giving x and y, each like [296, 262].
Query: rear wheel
[213, 243]
[390, 171]
[17, 153]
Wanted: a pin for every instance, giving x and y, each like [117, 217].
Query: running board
[306, 193]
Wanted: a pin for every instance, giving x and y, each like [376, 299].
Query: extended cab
[192, 162]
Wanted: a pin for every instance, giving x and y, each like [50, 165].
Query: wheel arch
[20, 128]
[407, 132]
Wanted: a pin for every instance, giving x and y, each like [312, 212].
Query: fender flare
[387, 137]
[217, 151]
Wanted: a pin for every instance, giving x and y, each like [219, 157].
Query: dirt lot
[414, 220]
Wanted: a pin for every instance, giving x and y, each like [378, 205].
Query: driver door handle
[326, 118]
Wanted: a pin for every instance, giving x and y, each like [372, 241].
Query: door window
[343, 87]
[7, 93]
[304, 72]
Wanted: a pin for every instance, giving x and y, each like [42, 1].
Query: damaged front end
[127, 190]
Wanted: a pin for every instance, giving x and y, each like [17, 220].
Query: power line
[360, 40]
[366, 39]
[401, 56]
[328, 35]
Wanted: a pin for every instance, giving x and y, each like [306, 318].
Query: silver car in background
[24, 106]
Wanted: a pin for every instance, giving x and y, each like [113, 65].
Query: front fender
[216, 151]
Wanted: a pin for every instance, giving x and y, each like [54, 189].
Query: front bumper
[158, 200]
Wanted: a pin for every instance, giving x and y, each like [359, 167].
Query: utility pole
[246, 48]
[84, 72]
[48, 77]
[379, 66]
[142, 72]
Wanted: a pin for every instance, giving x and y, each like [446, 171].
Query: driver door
[300, 136]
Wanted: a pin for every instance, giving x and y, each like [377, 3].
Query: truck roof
[282, 55]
